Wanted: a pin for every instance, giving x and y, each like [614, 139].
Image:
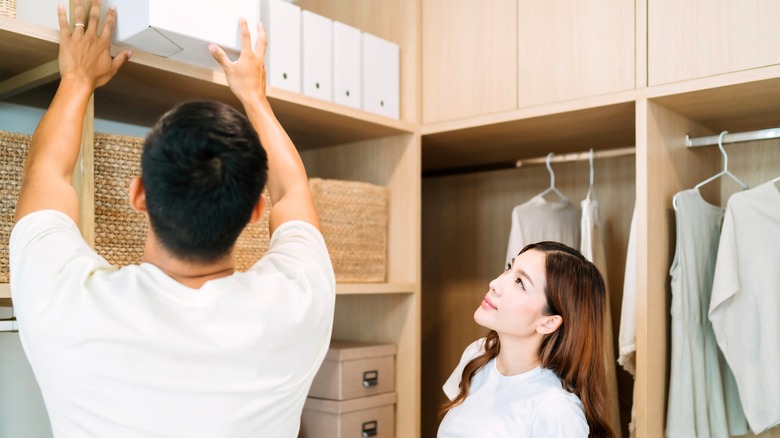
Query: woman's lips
[486, 303]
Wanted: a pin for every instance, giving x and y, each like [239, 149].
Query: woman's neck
[517, 356]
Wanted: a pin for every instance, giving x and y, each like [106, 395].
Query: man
[180, 345]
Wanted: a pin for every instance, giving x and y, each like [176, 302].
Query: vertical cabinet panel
[697, 38]
[574, 49]
[469, 58]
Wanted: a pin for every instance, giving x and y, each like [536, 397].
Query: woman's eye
[519, 281]
[508, 267]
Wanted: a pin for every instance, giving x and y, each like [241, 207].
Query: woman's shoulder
[559, 408]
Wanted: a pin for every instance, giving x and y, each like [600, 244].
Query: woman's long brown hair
[575, 290]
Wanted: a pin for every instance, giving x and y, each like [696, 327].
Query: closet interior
[689, 70]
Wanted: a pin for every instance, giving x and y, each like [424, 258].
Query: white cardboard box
[380, 76]
[317, 45]
[282, 21]
[176, 29]
[346, 65]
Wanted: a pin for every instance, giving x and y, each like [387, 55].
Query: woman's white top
[531, 404]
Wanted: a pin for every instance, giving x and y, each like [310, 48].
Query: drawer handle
[370, 378]
[369, 429]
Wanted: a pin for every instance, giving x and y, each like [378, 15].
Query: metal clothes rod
[562, 158]
[577, 156]
[763, 134]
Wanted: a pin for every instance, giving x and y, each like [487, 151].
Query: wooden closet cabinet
[482, 58]
[334, 141]
[697, 38]
[571, 49]
[469, 64]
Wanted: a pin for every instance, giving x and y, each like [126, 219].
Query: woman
[540, 370]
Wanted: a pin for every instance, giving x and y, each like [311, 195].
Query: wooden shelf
[727, 106]
[604, 122]
[148, 85]
[374, 288]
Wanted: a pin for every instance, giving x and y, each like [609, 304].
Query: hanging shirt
[697, 403]
[592, 247]
[745, 305]
[538, 220]
[531, 404]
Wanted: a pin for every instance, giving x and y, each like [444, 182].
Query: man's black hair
[203, 169]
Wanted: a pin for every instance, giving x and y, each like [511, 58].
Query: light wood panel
[572, 49]
[664, 167]
[469, 58]
[466, 222]
[393, 162]
[696, 38]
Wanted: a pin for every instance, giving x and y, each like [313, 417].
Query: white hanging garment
[627, 333]
[745, 305]
[697, 403]
[538, 220]
[592, 247]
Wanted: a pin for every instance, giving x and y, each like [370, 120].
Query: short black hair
[203, 170]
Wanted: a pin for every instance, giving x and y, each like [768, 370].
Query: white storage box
[176, 29]
[282, 21]
[317, 48]
[380, 76]
[355, 369]
[346, 65]
[357, 418]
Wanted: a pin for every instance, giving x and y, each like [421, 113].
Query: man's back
[133, 352]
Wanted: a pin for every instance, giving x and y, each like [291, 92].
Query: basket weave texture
[13, 151]
[8, 8]
[353, 217]
[120, 231]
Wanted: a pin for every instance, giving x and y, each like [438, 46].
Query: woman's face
[515, 303]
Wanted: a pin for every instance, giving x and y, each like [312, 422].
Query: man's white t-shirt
[132, 352]
[531, 404]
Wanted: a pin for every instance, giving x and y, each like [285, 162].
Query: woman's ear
[137, 195]
[257, 212]
[549, 324]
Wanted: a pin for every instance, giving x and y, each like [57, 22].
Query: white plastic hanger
[725, 170]
[552, 188]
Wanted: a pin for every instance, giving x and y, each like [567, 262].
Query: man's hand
[85, 56]
[246, 76]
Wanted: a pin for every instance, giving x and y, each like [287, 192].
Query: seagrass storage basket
[120, 231]
[353, 218]
[13, 151]
[8, 8]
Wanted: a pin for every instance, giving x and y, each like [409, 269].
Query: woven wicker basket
[8, 8]
[353, 218]
[13, 151]
[120, 231]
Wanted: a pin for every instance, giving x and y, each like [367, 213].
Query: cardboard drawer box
[355, 369]
[357, 418]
